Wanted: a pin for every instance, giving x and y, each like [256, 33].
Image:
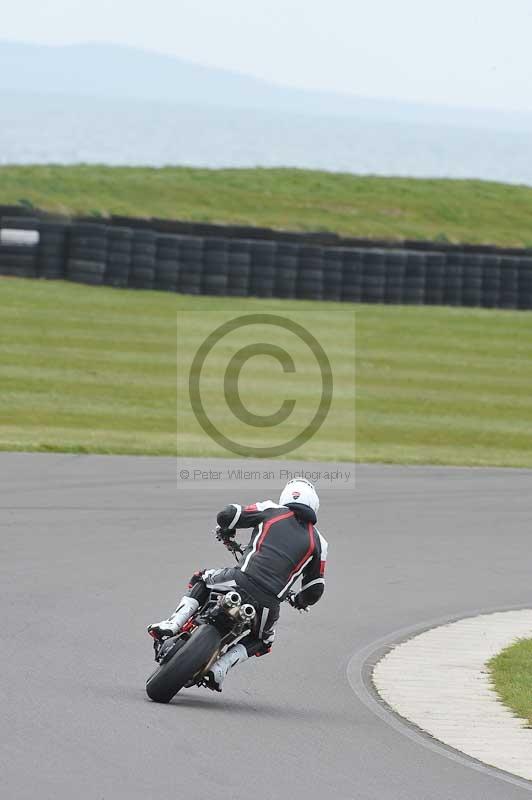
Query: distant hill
[112, 71]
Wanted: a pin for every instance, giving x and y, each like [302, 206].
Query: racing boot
[217, 673]
[169, 627]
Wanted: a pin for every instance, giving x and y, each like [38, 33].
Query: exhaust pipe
[247, 612]
[232, 600]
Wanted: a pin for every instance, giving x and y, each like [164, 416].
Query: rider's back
[283, 544]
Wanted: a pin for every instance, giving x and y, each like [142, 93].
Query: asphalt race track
[95, 548]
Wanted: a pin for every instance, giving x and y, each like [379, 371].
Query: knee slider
[197, 588]
[256, 647]
[263, 650]
[196, 578]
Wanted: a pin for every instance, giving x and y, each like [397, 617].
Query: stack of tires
[119, 249]
[332, 274]
[373, 276]
[87, 253]
[414, 281]
[434, 278]
[143, 259]
[524, 281]
[508, 293]
[453, 279]
[213, 263]
[395, 262]
[262, 268]
[351, 275]
[238, 268]
[309, 284]
[167, 262]
[18, 257]
[190, 265]
[491, 281]
[215, 266]
[286, 267]
[472, 280]
[51, 257]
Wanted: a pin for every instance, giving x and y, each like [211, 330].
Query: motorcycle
[184, 660]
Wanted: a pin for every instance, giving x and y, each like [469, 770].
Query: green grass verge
[511, 673]
[386, 208]
[87, 369]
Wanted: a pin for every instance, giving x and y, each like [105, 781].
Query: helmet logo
[295, 495]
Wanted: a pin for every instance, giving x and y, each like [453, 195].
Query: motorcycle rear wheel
[191, 659]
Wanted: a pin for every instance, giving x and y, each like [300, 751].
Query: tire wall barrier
[196, 259]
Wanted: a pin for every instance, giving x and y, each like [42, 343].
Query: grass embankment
[386, 208]
[94, 370]
[511, 673]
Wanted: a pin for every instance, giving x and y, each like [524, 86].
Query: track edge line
[359, 673]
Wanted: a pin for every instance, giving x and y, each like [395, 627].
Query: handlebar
[226, 538]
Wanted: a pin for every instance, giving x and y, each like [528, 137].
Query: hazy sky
[474, 53]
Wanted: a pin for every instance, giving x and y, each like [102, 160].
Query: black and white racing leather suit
[285, 545]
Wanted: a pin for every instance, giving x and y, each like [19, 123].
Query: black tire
[18, 272]
[236, 291]
[311, 275]
[89, 229]
[166, 252]
[21, 223]
[188, 289]
[119, 246]
[413, 295]
[189, 253]
[53, 250]
[49, 239]
[524, 301]
[235, 271]
[190, 276]
[51, 267]
[215, 267]
[86, 267]
[167, 267]
[121, 233]
[144, 234]
[143, 250]
[86, 277]
[19, 261]
[186, 265]
[393, 294]
[350, 293]
[472, 297]
[373, 294]
[168, 679]
[285, 282]
[88, 242]
[490, 300]
[141, 279]
[454, 298]
[87, 253]
[262, 250]
[508, 300]
[119, 259]
[236, 259]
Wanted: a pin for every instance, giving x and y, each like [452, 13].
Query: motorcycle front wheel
[192, 658]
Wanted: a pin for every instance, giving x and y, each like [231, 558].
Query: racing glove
[226, 538]
[294, 602]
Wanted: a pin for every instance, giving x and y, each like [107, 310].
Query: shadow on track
[252, 707]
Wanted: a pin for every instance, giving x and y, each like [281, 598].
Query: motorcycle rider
[284, 545]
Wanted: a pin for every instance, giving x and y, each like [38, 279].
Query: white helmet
[301, 491]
